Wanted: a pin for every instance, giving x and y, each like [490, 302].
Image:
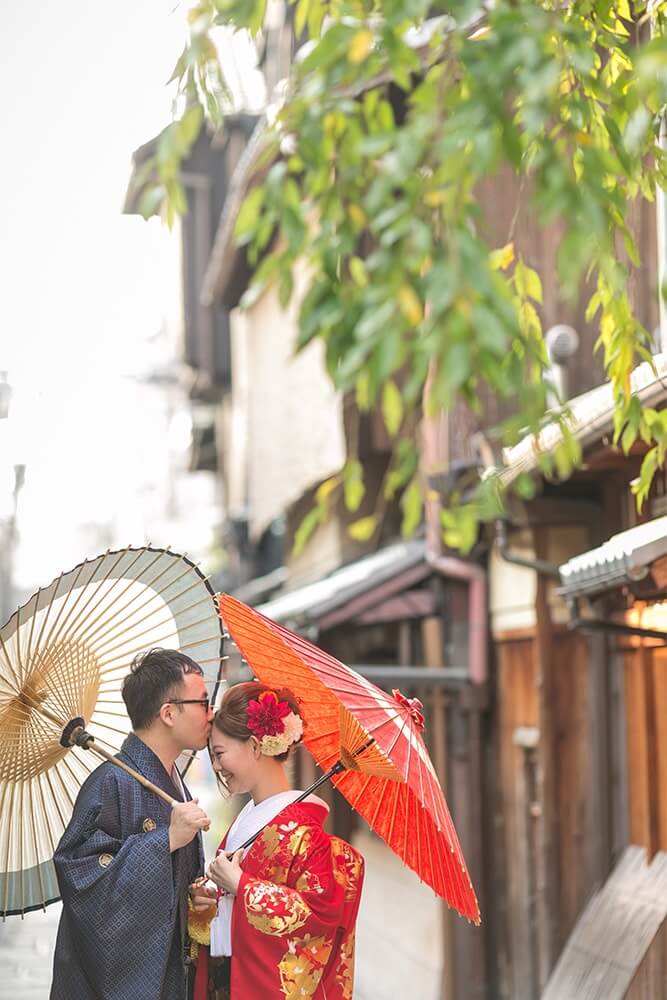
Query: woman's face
[235, 761]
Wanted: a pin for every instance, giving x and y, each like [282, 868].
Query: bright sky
[84, 288]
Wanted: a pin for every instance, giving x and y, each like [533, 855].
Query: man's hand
[226, 872]
[187, 819]
[202, 896]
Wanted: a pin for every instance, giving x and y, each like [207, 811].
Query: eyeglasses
[190, 701]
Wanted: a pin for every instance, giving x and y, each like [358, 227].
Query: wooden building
[530, 747]
[545, 724]
[576, 688]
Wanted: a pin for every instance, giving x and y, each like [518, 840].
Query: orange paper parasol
[386, 772]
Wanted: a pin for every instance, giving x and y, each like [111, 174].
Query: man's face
[191, 721]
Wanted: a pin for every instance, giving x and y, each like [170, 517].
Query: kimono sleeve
[117, 887]
[283, 935]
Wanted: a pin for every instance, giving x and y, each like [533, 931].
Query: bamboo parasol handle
[135, 774]
[78, 735]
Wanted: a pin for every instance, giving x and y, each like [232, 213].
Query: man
[126, 859]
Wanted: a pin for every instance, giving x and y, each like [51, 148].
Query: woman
[286, 906]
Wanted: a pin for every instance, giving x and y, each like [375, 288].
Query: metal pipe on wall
[434, 459]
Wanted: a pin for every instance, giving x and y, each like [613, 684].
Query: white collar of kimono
[253, 816]
[249, 821]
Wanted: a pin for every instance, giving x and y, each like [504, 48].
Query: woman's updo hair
[232, 716]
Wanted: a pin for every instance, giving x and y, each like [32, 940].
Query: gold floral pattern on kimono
[276, 873]
[272, 909]
[345, 967]
[302, 965]
[268, 841]
[347, 867]
[294, 912]
[283, 843]
[300, 842]
[309, 882]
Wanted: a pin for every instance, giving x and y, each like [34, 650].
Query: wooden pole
[76, 735]
[88, 743]
[547, 777]
[433, 645]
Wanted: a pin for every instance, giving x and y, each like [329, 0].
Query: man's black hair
[155, 678]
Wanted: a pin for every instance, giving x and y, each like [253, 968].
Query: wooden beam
[638, 750]
[659, 657]
[547, 778]
[408, 605]
[433, 646]
[598, 833]
[516, 700]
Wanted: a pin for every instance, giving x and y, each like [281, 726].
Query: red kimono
[294, 914]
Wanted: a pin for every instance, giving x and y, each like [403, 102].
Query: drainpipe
[475, 577]
[434, 459]
[539, 565]
[578, 621]
[661, 221]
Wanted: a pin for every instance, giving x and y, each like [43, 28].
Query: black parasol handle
[338, 767]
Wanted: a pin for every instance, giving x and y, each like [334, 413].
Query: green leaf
[412, 502]
[285, 287]
[642, 485]
[502, 258]
[324, 493]
[305, 530]
[363, 529]
[563, 460]
[381, 202]
[528, 284]
[190, 125]
[363, 392]
[360, 46]
[392, 407]
[353, 485]
[180, 67]
[358, 271]
[301, 16]
[460, 527]
[628, 438]
[246, 220]
[524, 486]
[151, 200]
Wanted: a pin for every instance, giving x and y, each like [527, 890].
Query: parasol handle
[338, 767]
[81, 738]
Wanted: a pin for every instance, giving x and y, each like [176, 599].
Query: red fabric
[393, 783]
[294, 915]
[201, 975]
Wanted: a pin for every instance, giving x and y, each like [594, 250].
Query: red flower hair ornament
[273, 723]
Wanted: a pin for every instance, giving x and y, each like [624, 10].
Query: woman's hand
[202, 896]
[226, 872]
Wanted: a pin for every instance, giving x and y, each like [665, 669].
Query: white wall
[295, 425]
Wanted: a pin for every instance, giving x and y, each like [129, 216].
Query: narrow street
[399, 931]
[26, 954]
[398, 925]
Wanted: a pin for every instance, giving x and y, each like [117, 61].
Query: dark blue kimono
[124, 920]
